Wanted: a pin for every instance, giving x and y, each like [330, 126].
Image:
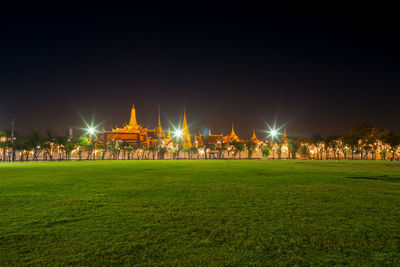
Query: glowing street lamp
[91, 131]
[178, 133]
[178, 136]
[273, 133]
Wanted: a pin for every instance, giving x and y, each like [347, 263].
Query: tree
[279, 150]
[364, 133]
[48, 145]
[195, 151]
[331, 144]
[82, 144]
[393, 140]
[22, 144]
[251, 147]
[66, 145]
[34, 143]
[317, 142]
[207, 145]
[113, 146]
[153, 149]
[293, 145]
[129, 150]
[351, 142]
[220, 147]
[266, 151]
[4, 144]
[122, 147]
[185, 150]
[304, 151]
[239, 147]
[380, 143]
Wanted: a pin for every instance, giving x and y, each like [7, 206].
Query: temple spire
[159, 117]
[133, 121]
[184, 123]
[233, 131]
[169, 131]
[254, 134]
[159, 129]
[185, 130]
[284, 138]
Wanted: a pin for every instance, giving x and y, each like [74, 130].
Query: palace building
[132, 133]
[135, 134]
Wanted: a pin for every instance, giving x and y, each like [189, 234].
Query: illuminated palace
[135, 134]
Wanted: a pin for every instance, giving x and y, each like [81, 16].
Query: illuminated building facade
[135, 134]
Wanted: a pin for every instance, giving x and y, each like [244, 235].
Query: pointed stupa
[132, 121]
[169, 131]
[284, 138]
[254, 134]
[159, 130]
[233, 136]
[254, 137]
[185, 130]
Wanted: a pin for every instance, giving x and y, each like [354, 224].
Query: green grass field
[216, 212]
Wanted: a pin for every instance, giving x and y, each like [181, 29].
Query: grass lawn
[215, 212]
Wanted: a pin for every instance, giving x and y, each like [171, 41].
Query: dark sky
[319, 71]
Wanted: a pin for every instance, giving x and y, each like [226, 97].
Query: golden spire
[254, 134]
[159, 117]
[159, 129]
[133, 121]
[284, 138]
[209, 131]
[233, 131]
[185, 130]
[184, 123]
[169, 131]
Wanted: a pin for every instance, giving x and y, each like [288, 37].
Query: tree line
[363, 141]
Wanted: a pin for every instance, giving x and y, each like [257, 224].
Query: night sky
[315, 71]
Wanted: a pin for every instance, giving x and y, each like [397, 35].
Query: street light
[178, 133]
[178, 136]
[91, 130]
[273, 133]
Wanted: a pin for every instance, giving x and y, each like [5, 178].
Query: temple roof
[254, 138]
